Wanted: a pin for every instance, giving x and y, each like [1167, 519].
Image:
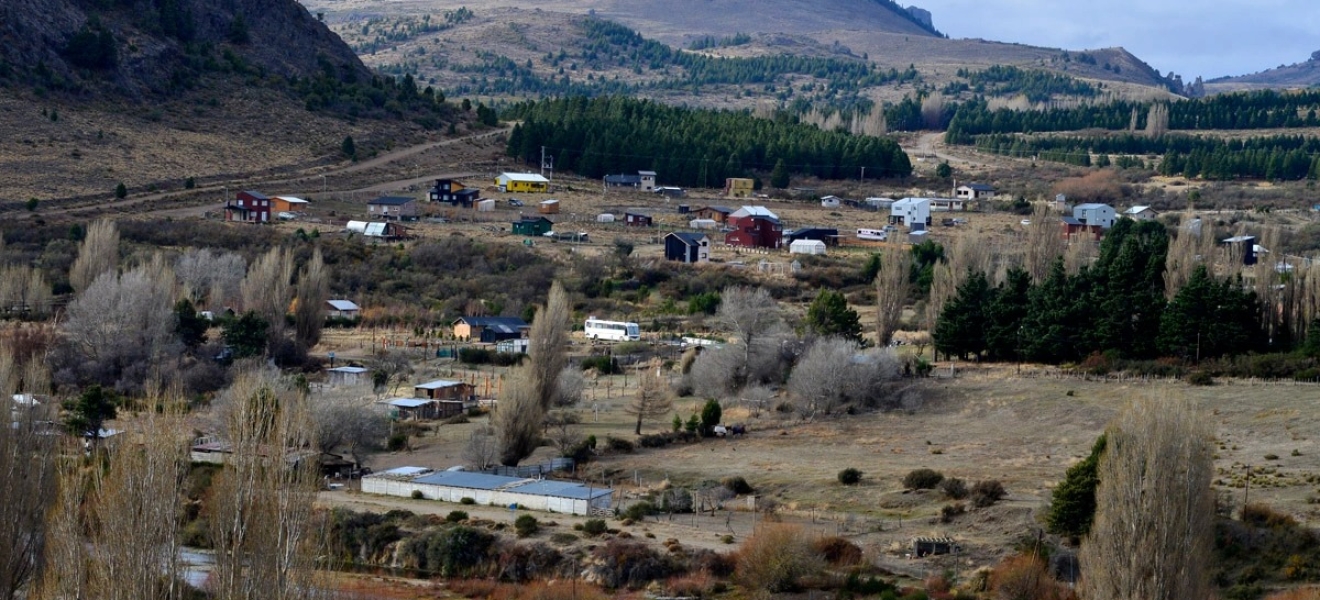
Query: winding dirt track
[307, 176]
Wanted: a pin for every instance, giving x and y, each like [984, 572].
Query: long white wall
[501, 498]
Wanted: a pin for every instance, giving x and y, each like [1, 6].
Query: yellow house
[522, 182]
[738, 187]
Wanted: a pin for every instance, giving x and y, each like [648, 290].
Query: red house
[754, 227]
[249, 207]
[1073, 227]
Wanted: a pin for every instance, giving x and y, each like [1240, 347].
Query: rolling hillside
[388, 35]
[1304, 74]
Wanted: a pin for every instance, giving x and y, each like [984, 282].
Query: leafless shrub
[482, 449]
[776, 557]
[835, 372]
[569, 386]
[27, 459]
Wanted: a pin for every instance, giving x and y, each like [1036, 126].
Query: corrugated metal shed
[438, 384]
[472, 481]
[409, 402]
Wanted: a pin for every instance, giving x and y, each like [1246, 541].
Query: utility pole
[863, 174]
[547, 163]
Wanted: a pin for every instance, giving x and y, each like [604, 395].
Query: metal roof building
[498, 490]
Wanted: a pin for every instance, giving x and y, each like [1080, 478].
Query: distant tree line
[690, 147]
[1289, 157]
[1115, 306]
[1037, 86]
[611, 45]
[1246, 110]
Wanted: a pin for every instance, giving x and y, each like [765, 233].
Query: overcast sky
[1210, 38]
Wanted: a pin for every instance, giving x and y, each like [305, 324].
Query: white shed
[487, 205]
[703, 224]
[830, 202]
[605, 218]
[806, 247]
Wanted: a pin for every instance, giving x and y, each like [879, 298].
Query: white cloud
[1211, 38]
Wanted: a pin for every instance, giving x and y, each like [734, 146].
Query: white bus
[872, 234]
[618, 331]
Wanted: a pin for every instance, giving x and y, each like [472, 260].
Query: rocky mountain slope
[142, 47]
[1297, 75]
[390, 35]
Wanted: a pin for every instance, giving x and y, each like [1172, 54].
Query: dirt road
[195, 197]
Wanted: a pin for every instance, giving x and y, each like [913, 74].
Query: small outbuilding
[1141, 213]
[548, 207]
[636, 218]
[830, 202]
[605, 218]
[347, 375]
[414, 409]
[807, 247]
[532, 226]
[344, 309]
[487, 205]
[703, 224]
[443, 389]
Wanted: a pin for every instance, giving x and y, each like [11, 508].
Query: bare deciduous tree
[116, 331]
[211, 278]
[1154, 528]
[1044, 242]
[98, 253]
[892, 285]
[546, 345]
[517, 418]
[392, 368]
[27, 464]
[834, 372]
[24, 292]
[267, 289]
[752, 319]
[348, 425]
[482, 449]
[533, 387]
[563, 431]
[653, 400]
[313, 292]
[261, 503]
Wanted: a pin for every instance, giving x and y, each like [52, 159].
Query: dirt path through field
[306, 176]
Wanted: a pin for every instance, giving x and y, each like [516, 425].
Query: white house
[910, 212]
[806, 247]
[947, 204]
[830, 202]
[975, 191]
[1141, 213]
[1095, 214]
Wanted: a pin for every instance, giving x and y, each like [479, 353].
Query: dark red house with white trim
[249, 207]
[755, 227]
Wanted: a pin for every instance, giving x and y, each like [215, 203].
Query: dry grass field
[983, 424]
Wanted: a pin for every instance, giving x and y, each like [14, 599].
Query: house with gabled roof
[490, 330]
[687, 247]
[755, 227]
[393, 207]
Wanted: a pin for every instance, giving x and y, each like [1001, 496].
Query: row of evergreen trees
[1115, 306]
[1289, 157]
[690, 147]
[1246, 110]
[1037, 86]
